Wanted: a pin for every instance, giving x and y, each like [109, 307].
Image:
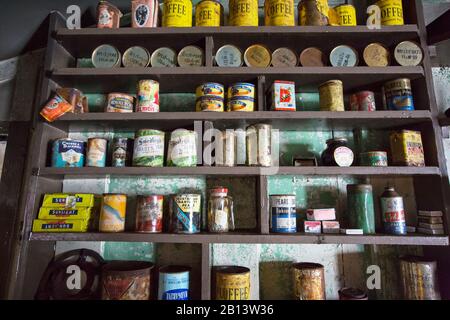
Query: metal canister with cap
[257, 55]
[243, 13]
[419, 278]
[136, 57]
[106, 56]
[313, 13]
[346, 14]
[393, 212]
[332, 96]
[344, 56]
[191, 56]
[309, 281]
[228, 56]
[209, 13]
[164, 57]
[360, 208]
[279, 13]
[177, 13]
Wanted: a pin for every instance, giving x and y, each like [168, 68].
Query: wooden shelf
[444, 121]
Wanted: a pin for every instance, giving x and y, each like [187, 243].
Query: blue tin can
[393, 212]
[283, 214]
[68, 153]
[173, 283]
[397, 95]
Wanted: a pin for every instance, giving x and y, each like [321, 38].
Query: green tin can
[374, 159]
[360, 209]
[182, 150]
[148, 148]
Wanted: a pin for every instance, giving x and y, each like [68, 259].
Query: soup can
[246, 104]
[177, 13]
[258, 56]
[419, 278]
[120, 102]
[283, 216]
[112, 213]
[374, 159]
[96, 152]
[121, 149]
[284, 57]
[149, 214]
[209, 103]
[228, 56]
[209, 13]
[136, 57]
[313, 13]
[185, 213]
[210, 89]
[191, 56]
[106, 56]
[148, 148]
[391, 12]
[344, 56]
[163, 57]
[182, 150]
[332, 96]
[309, 281]
[232, 283]
[174, 283]
[360, 207]
[68, 153]
[243, 13]
[393, 212]
[241, 89]
[144, 13]
[346, 14]
[397, 95]
[279, 13]
[363, 101]
[108, 16]
[147, 96]
[259, 145]
[376, 55]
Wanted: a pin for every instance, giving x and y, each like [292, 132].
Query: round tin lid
[164, 57]
[408, 53]
[344, 56]
[312, 57]
[136, 57]
[284, 57]
[228, 56]
[376, 55]
[106, 56]
[190, 56]
[257, 56]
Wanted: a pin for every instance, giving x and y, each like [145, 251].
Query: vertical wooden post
[206, 272]
[262, 205]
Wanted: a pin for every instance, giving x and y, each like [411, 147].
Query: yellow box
[46, 213]
[60, 225]
[67, 200]
[407, 148]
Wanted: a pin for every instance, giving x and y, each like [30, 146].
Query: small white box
[352, 231]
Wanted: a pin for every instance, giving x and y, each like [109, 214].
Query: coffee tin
[144, 13]
[243, 13]
[106, 56]
[393, 212]
[397, 95]
[121, 152]
[284, 57]
[112, 213]
[148, 148]
[120, 102]
[136, 57]
[232, 283]
[374, 159]
[149, 214]
[283, 217]
[177, 13]
[210, 89]
[309, 281]
[363, 101]
[279, 13]
[209, 103]
[332, 96]
[185, 214]
[344, 56]
[391, 12]
[408, 53]
[147, 96]
[346, 14]
[96, 152]
[173, 283]
[163, 57]
[241, 104]
[191, 56]
[68, 153]
[258, 56]
[228, 56]
[376, 55]
[182, 150]
[209, 13]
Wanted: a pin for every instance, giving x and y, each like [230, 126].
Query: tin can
[232, 283]
[344, 56]
[149, 214]
[407, 148]
[209, 13]
[121, 152]
[210, 89]
[346, 14]
[257, 56]
[228, 56]
[209, 103]
[397, 95]
[136, 57]
[259, 145]
[126, 280]
[112, 213]
[106, 56]
[313, 13]
[148, 148]
[75, 98]
[191, 56]
[163, 57]
[68, 153]
[120, 102]
[283, 216]
[419, 278]
[363, 101]
[243, 13]
[246, 104]
[174, 283]
[226, 149]
[177, 13]
[108, 16]
[393, 213]
[96, 152]
[144, 13]
[241, 89]
[352, 294]
[284, 57]
[185, 213]
[147, 96]
[332, 96]
[408, 53]
[56, 107]
[374, 159]
[312, 57]
[376, 55]
[391, 12]
[182, 150]
[282, 96]
[360, 208]
[309, 281]
[279, 13]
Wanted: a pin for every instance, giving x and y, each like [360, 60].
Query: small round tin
[120, 102]
[284, 57]
[374, 159]
[68, 153]
[312, 57]
[408, 53]
[106, 56]
[164, 57]
[344, 56]
[241, 104]
[228, 56]
[191, 56]
[149, 214]
[136, 57]
[96, 152]
[121, 152]
[209, 103]
[376, 55]
[258, 56]
[210, 89]
[241, 89]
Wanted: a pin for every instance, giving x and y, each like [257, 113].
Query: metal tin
[352, 294]
[182, 150]
[96, 152]
[408, 53]
[210, 89]
[68, 153]
[332, 96]
[346, 14]
[121, 152]
[393, 213]
[177, 13]
[174, 283]
[360, 208]
[376, 55]
[108, 16]
[185, 214]
[120, 102]
[164, 57]
[106, 56]
[147, 96]
[363, 101]
[209, 13]
[397, 95]
[241, 89]
[228, 56]
[246, 104]
[283, 217]
[148, 148]
[191, 56]
[374, 159]
[243, 13]
[144, 13]
[75, 98]
[279, 13]
[313, 13]
[55, 108]
[209, 103]
[258, 56]
[149, 214]
[112, 213]
[259, 145]
[391, 12]
[282, 97]
[309, 281]
[232, 283]
[419, 278]
[126, 280]
[220, 211]
[284, 57]
[312, 57]
[226, 149]
[407, 148]
[344, 56]
[136, 57]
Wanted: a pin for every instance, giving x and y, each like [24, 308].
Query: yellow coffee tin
[177, 13]
[232, 283]
[279, 13]
[243, 13]
[209, 13]
[60, 225]
[391, 12]
[346, 14]
[258, 56]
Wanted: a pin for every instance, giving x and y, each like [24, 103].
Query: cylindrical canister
[391, 12]
[346, 14]
[185, 214]
[259, 145]
[108, 16]
[136, 57]
[363, 101]
[313, 13]
[164, 57]
[209, 103]
[209, 13]
[96, 152]
[258, 56]
[284, 57]
[147, 96]
[397, 95]
[283, 217]
[232, 283]
[393, 212]
[121, 149]
[312, 57]
[173, 283]
[408, 53]
[106, 56]
[360, 208]
[182, 149]
[241, 104]
[241, 89]
[226, 149]
[279, 13]
[344, 56]
[243, 13]
[419, 278]
[309, 281]
[120, 102]
[144, 13]
[374, 159]
[126, 280]
[332, 96]
[148, 148]
[228, 56]
[191, 56]
[376, 55]
[68, 153]
[112, 213]
[149, 214]
[177, 13]
[210, 89]
[352, 294]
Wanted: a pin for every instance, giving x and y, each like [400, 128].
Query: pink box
[330, 226]
[321, 214]
[313, 227]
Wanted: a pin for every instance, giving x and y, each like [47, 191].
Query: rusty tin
[96, 152]
[309, 281]
[313, 13]
[149, 214]
[232, 283]
[312, 57]
[419, 278]
[332, 96]
[376, 55]
[108, 16]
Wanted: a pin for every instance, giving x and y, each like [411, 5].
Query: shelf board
[411, 239]
[444, 121]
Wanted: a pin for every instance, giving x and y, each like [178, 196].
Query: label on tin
[207, 103]
[400, 100]
[164, 57]
[141, 15]
[279, 13]
[68, 153]
[393, 215]
[190, 56]
[112, 215]
[408, 53]
[104, 18]
[241, 90]
[208, 14]
[283, 214]
[347, 15]
[96, 154]
[391, 12]
[148, 96]
[232, 286]
[174, 286]
[243, 13]
[283, 96]
[177, 13]
[241, 104]
[343, 156]
[105, 56]
[120, 103]
[187, 213]
[149, 150]
[182, 150]
[210, 89]
[136, 57]
[363, 101]
[149, 217]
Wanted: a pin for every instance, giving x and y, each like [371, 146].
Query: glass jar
[337, 153]
[220, 210]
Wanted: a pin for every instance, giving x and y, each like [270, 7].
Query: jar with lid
[220, 210]
[337, 153]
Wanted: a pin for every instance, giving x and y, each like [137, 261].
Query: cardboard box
[424, 213]
[313, 227]
[321, 214]
[330, 227]
[64, 214]
[431, 226]
[429, 231]
[66, 200]
[60, 225]
[430, 219]
[352, 231]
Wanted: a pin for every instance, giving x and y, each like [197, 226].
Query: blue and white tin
[68, 153]
[283, 217]
[173, 283]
